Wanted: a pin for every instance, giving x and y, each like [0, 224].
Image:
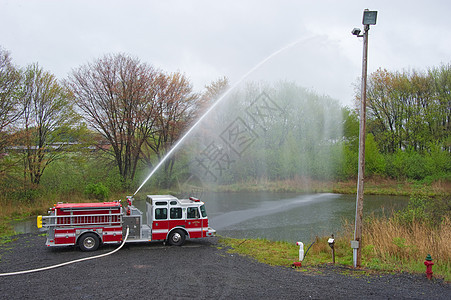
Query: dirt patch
[200, 270]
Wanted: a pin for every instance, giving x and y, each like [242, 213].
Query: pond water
[278, 216]
[290, 217]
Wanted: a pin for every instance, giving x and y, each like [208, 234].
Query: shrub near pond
[97, 191]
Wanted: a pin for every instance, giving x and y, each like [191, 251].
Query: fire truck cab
[89, 225]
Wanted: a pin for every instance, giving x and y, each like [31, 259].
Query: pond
[290, 217]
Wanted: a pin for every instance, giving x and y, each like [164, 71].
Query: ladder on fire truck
[80, 216]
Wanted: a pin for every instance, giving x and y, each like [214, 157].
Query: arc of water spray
[180, 141]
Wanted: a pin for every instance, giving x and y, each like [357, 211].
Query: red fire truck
[89, 225]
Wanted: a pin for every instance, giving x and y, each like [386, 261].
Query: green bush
[374, 160]
[424, 209]
[97, 191]
[27, 195]
[406, 164]
[438, 163]
[65, 176]
[350, 164]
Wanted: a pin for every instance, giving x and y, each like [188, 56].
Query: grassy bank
[373, 186]
[387, 247]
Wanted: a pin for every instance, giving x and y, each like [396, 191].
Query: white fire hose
[69, 262]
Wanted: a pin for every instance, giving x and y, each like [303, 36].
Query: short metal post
[331, 242]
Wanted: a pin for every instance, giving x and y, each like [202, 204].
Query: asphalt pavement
[201, 269]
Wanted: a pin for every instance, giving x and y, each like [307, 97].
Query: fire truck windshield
[203, 211]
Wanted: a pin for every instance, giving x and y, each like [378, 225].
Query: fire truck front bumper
[211, 232]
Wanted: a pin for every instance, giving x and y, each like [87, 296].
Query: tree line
[409, 116]
[130, 110]
[116, 116]
[410, 109]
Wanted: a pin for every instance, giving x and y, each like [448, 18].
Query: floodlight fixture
[369, 17]
[356, 31]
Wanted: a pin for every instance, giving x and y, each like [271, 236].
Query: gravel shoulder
[200, 269]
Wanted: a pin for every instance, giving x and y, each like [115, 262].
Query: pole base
[297, 264]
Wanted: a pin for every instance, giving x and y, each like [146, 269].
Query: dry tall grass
[10, 209]
[387, 238]
[389, 245]
[21, 209]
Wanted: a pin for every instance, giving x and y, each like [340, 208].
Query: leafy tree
[441, 77]
[213, 91]
[47, 111]
[374, 160]
[351, 127]
[409, 109]
[385, 110]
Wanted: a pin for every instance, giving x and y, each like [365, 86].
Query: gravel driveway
[198, 270]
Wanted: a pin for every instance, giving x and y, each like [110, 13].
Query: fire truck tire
[177, 238]
[89, 242]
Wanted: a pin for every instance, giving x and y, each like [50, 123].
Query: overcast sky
[207, 39]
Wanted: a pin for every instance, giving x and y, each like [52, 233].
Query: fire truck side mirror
[39, 222]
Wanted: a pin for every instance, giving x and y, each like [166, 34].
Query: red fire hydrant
[428, 263]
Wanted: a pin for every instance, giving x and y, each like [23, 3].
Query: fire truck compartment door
[148, 214]
[160, 224]
[134, 225]
[193, 222]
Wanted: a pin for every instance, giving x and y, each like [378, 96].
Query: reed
[405, 246]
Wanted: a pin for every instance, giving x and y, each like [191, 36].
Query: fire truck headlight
[39, 222]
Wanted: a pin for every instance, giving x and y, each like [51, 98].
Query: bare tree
[10, 108]
[46, 111]
[176, 107]
[117, 95]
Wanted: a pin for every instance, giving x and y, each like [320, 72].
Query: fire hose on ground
[69, 262]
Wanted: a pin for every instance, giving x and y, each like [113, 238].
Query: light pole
[369, 18]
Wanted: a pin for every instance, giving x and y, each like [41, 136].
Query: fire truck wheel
[89, 242]
[177, 238]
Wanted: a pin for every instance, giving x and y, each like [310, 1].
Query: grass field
[387, 247]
